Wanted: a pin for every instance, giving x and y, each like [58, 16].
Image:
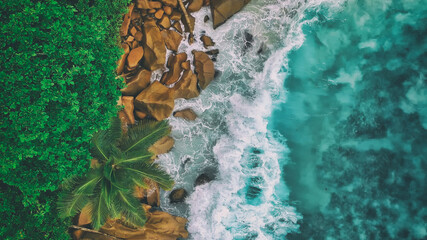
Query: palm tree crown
[124, 162]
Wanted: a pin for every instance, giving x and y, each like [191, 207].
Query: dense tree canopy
[58, 87]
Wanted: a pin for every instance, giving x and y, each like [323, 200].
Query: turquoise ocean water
[314, 128]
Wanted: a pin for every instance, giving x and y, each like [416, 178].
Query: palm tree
[124, 162]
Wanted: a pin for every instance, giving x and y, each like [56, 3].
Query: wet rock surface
[187, 114]
[223, 9]
[178, 195]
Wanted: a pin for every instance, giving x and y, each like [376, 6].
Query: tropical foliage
[57, 87]
[123, 163]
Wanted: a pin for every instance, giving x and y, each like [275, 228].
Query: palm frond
[139, 155]
[101, 145]
[100, 210]
[104, 141]
[88, 183]
[144, 135]
[115, 129]
[70, 204]
[150, 171]
[130, 208]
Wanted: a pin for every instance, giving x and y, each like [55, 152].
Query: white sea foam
[233, 116]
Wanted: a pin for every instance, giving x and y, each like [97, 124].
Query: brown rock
[135, 16]
[187, 114]
[133, 31]
[159, 14]
[186, 87]
[125, 47]
[130, 39]
[189, 25]
[138, 36]
[165, 22]
[207, 41]
[178, 195]
[174, 64]
[137, 84]
[172, 3]
[155, 4]
[172, 39]
[153, 194]
[142, 4]
[126, 21]
[186, 65]
[135, 56]
[202, 179]
[159, 226]
[177, 26]
[168, 10]
[121, 63]
[154, 46]
[163, 145]
[223, 9]
[195, 5]
[157, 100]
[206, 2]
[204, 68]
[140, 115]
[129, 107]
[124, 119]
[151, 11]
[176, 16]
[85, 218]
[150, 191]
[135, 44]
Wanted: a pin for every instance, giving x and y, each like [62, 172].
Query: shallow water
[314, 129]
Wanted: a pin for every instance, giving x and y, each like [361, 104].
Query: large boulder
[126, 21]
[122, 63]
[134, 57]
[177, 26]
[186, 87]
[157, 101]
[204, 68]
[172, 3]
[207, 41]
[127, 102]
[187, 114]
[195, 5]
[143, 4]
[165, 22]
[137, 84]
[154, 46]
[172, 39]
[178, 195]
[223, 9]
[163, 145]
[151, 194]
[189, 25]
[202, 179]
[174, 65]
[159, 226]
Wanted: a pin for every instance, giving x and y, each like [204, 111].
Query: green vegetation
[58, 87]
[123, 163]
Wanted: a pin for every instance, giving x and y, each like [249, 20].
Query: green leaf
[70, 204]
[144, 135]
[130, 208]
[152, 172]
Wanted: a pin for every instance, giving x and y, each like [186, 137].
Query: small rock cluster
[148, 30]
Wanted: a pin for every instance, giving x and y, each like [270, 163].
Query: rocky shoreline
[151, 34]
